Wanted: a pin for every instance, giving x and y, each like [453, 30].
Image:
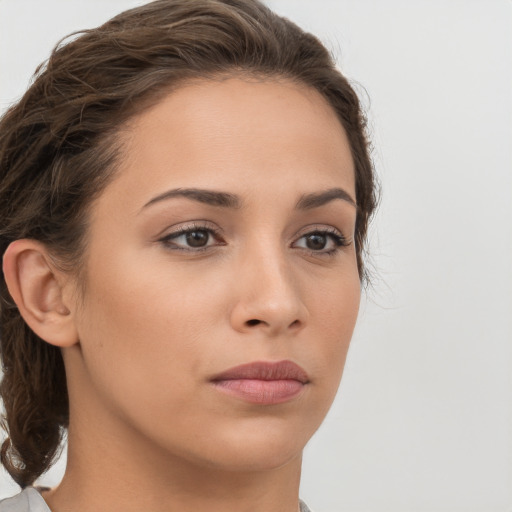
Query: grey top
[30, 500]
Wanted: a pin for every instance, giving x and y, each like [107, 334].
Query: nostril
[253, 322]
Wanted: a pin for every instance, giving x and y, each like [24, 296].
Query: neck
[121, 472]
[116, 481]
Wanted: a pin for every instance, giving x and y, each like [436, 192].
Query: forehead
[239, 135]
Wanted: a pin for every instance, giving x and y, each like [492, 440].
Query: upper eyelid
[311, 228]
[198, 225]
[216, 230]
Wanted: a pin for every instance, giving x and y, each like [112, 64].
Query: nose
[268, 297]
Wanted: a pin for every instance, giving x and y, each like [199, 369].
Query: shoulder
[303, 507]
[28, 500]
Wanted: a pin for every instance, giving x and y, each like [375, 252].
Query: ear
[37, 288]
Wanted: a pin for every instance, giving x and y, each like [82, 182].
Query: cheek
[334, 316]
[142, 349]
[147, 321]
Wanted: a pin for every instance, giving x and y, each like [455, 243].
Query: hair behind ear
[35, 398]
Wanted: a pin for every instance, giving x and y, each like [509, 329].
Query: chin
[261, 447]
[253, 460]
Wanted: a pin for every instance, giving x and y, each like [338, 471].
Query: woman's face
[226, 239]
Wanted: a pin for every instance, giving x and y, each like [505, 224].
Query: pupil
[316, 241]
[197, 238]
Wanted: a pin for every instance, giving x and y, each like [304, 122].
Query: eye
[192, 238]
[322, 241]
[197, 238]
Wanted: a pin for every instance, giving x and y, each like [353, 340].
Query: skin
[148, 430]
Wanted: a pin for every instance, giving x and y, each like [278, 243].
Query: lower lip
[264, 392]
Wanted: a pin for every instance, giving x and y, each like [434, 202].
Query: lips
[263, 382]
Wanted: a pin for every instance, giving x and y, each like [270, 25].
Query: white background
[423, 420]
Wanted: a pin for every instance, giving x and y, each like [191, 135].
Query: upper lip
[265, 370]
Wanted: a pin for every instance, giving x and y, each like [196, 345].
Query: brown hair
[58, 150]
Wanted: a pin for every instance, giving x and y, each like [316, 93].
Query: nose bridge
[273, 276]
[268, 293]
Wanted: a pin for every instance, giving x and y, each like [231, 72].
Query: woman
[185, 194]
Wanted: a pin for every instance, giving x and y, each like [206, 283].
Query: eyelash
[338, 239]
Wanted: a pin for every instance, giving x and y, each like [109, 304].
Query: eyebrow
[228, 200]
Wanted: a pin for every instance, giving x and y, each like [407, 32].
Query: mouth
[262, 382]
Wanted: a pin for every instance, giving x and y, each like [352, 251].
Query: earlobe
[34, 284]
